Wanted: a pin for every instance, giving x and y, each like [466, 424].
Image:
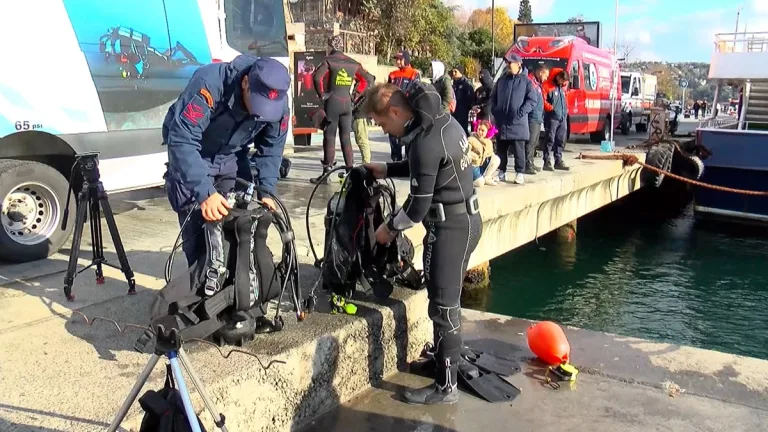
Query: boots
[443, 391]
[325, 179]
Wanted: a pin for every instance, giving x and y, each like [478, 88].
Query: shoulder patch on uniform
[207, 96]
[194, 111]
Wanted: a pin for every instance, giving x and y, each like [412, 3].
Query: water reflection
[660, 279]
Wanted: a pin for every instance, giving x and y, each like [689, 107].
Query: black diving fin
[490, 386]
[485, 383]
[489, 362]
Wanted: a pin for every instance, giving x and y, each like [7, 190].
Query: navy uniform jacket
[208, 132]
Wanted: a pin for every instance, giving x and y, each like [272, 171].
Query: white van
[93, 75]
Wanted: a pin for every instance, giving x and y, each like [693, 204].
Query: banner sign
[588, 31]
[305, 100]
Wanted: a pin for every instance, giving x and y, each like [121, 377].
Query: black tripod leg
[97, 240]
[77, 237]
[112, 225]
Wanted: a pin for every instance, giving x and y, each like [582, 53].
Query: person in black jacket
[483, 96]
[334, 79]
[442, 199]
[512, 99]
[465, 95]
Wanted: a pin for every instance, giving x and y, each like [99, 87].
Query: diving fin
[486, 385]
[489, 386]
[490, 363]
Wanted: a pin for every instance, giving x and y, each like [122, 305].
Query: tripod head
[89, 166]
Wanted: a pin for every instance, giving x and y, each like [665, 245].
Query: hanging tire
[659, 156]
[34, 196]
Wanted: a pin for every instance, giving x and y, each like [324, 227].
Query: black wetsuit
[440, 172]
[334, 79]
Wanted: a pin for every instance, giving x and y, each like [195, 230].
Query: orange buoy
[547, 340]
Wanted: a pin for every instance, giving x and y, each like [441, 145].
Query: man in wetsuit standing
[443, 200]
[334, 79]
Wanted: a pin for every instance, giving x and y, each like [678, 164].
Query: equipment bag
[164, 409]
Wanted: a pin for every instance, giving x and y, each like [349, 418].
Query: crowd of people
[500, 119]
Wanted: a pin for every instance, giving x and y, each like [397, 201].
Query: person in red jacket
[402, 77]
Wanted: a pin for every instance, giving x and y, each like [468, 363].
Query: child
[484, 159]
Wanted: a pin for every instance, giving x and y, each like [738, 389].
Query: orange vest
[403, 77]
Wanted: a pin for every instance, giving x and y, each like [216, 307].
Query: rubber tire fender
[659, 156]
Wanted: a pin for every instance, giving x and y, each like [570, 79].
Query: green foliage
[424, 64]
[479, 37]
[576, 19]
[524, 14]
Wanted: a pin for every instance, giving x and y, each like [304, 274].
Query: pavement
[624, 384]
[60, 374]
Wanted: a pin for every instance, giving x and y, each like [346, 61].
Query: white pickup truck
[638, 95]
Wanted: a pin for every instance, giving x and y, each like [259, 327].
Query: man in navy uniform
[224, 109]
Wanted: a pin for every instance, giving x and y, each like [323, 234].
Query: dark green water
[633, 272]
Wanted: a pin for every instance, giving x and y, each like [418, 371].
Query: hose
[320, 182]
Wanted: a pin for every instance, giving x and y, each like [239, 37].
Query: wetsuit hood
[485, 78]
[425, 102]
[438, 70]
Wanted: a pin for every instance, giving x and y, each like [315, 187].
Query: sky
[658, 30]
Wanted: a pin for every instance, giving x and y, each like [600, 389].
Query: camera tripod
[168, 344]
[92, 200]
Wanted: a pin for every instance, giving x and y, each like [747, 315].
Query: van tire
[599, 136]
[641, 127]
[36, 190]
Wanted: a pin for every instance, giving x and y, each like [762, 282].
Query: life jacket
[351, 251]
[164, 409]
[232, 282]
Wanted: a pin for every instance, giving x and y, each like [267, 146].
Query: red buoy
[547, 340]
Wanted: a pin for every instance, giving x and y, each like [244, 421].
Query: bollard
[657, 125]
[477, 287]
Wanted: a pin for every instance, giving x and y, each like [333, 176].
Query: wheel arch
[41, 147]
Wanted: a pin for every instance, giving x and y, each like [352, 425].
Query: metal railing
[719, 123]
[741, 42]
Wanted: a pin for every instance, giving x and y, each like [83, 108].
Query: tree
[576, 19]
[624, 50]
[666, 83]
[431, 30]
[525, 15]
[504, 26]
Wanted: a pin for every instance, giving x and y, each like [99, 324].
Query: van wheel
[599, 136]
[34, 196]
[641, 127]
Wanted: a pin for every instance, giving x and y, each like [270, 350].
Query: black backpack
[164, 410]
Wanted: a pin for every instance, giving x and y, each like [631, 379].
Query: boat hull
[739, 160]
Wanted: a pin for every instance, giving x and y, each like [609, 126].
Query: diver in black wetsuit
[334, 79]
[443, 199]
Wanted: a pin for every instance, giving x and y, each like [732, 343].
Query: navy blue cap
[405, 55]
[513, 58]
[269, 83]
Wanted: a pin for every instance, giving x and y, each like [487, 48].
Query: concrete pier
[624, 384]
[60, 374]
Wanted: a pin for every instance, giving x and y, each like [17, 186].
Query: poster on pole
[589, 31]
[306, 103]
